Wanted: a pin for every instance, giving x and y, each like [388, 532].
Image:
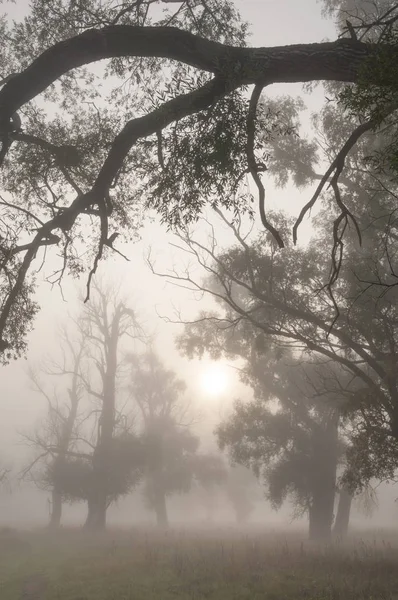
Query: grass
[213, 565]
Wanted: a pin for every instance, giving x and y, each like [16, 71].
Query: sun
[214, 381]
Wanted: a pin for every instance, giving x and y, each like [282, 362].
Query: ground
[191, 565]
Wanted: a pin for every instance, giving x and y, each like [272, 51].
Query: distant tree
[97, 457]
[211, 475]
[5, 472]
[220, 484]
[73, 150]
[168, 450]
[267, 298]
[106, 320]
[78, 477]
[5, 479]
[57, 437]
[172, 461]
[292, 447]
[240, 491]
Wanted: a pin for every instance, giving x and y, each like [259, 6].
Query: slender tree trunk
[98, 502]
[56, 509]
[343, 513]
[162, 518]
[91, 515]
[96, 518]
[59, 462]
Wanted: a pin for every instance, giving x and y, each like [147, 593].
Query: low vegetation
[222, 564]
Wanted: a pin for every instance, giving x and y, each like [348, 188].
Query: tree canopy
[76, 152]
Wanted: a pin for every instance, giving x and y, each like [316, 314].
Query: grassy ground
[222, 565]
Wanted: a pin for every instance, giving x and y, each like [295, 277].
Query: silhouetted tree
[4, 474]
[172, 461]
[267, 298]
[211, 475]
[105, 322]
[343, 512]
[294, 447]
[57, 437]
[241, 493]
[78, 476]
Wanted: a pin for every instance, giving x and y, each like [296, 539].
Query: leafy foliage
[77, 479]
[172, 460]
[288, 434]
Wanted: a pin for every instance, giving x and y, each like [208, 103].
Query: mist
[198, 299]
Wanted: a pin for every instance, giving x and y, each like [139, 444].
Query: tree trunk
[66, 434]
[96, 514]
[162, 518]
[343, 513]
[102, 463]
[56, 510]
[321, 515]
[98, 501]
[90, 519]
[325, 451]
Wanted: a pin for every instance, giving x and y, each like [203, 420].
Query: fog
[161, 304]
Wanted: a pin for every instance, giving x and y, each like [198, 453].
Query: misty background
[158, 302]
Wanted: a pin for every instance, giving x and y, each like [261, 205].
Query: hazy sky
[274, 22]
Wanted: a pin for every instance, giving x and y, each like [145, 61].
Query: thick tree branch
[233, 67]
[340, 60]
[136, 128]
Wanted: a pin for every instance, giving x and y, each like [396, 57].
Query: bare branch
[252, 163]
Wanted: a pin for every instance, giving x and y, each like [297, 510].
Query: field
[192, 565]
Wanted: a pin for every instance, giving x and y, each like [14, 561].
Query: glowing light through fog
[214, 381]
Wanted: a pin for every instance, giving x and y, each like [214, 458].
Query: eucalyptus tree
[106, 323]
[290, 435]
[346, 314]
[265, 298]
[175, 129]
[86, 449]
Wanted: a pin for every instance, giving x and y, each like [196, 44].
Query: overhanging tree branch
[340, 60]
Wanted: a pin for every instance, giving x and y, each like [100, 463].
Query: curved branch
[340, 60]
[336, 167]
[135, 129]
[252, 163]
[170, 111]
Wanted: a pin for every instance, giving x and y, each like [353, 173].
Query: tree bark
[338, 61]
[343, 513]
